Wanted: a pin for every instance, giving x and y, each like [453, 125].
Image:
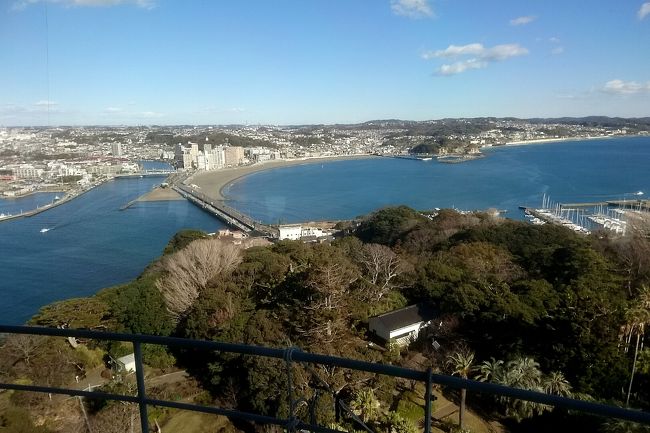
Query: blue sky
[328, 61]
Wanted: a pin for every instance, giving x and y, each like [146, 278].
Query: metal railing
[291, 355]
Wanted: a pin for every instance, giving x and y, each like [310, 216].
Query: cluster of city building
[37, 158]
[206, 156]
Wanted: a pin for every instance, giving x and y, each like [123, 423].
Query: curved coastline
[212, 183]
[562, 140]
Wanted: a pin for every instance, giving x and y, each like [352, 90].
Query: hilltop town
[63, 158]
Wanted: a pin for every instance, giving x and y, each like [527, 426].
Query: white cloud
[557, 50]
[455, 51]
[45, 103]
[498, 52]
[113, 109]
[644, 10]
[554, 40]
[144, 4]
[481, 56]
[458, 67]
[151, 114]
[620, 87]
[502, 52]
[412, 8]
[522, 21]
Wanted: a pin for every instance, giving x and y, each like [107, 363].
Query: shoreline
[557, 140]
[65, 199]
[212, 183]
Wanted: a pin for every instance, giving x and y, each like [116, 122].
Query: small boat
[638, 193]
[45, 230]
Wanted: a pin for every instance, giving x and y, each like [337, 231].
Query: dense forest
[535, 307]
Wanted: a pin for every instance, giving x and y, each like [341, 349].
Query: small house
[404, 325]
[126, 364]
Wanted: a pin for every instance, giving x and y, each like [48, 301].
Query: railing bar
[150, 339]
[370, 367]
[292, 411]
[389, 370]
[427, 401]
[72, 392]
[142, 395]
[263, 419]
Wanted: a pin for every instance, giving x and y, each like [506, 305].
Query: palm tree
[621, 426]
[523, 373]
[365, 404]
[637, 317]
[555, 383]
[491, 371]
[461, 363]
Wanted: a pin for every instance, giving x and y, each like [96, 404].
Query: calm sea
[576, 171]
[93, 244]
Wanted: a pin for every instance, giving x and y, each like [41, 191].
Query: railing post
[139, 375]
[427, 401]
[292, 421]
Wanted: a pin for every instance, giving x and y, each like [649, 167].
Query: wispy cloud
[455, 51]
[462, 66]
[217, 110]
[412, 8]
[480, 56]
[557, 50]
[45, 103]
[113, 110]
[497, 52]
[522, 21]
[644, 10]
[144, 4]
[37, 110]
[620, 87]
[151, 114]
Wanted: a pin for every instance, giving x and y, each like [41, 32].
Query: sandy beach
[213, 182]
[161, 194]
[558, 140]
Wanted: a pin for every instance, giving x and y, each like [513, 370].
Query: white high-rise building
[116, 149]
[234, 156]
[210, 158]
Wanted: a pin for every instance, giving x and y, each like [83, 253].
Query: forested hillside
[536, 307]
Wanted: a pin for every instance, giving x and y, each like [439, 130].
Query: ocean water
[91, 244]
[15, 206]
[573, 171]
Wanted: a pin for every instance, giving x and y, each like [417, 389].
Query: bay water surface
[93, 244]
[510, 176]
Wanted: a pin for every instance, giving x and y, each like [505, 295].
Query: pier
[611, 215]
[225, 213]
[625, 204]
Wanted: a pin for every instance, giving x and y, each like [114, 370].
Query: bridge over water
[225, 213]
